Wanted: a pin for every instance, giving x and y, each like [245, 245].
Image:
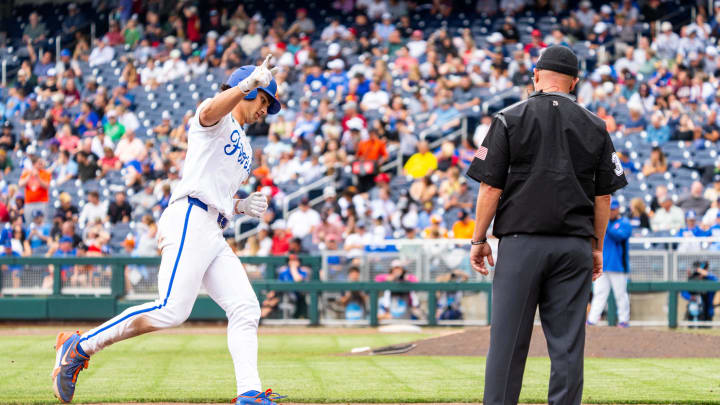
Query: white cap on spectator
[666, 26]
[166, 115]
[51, 72]
[329, 191]
[212, 34]
[170, 39]
[334, 49]
[111, 113]
[396, 263]
[495, 37]
[386, 16]
[635, 106]
[58, 98]
[336, 64]
[605, 9]
[72, 6]
[585, 4]
[711, 51]
[175, 54]
[31, 150]
[263, 226]
[279, 224]
[608, 87]
[595, 77]
[600, 28]
[604, 70]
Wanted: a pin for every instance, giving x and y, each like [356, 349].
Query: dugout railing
[61, 302]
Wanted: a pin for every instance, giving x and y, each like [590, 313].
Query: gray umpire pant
[554, 272]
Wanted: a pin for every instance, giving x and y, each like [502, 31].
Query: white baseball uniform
[194, 251]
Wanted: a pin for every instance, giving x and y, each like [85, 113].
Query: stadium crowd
[93, 139]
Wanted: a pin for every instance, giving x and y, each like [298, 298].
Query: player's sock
[81, 351]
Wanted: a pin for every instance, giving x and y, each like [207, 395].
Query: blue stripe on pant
[167, 295]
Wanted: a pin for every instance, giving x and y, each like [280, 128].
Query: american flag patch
[481, 153]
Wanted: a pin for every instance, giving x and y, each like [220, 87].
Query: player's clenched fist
[255, 205]
[260, 77]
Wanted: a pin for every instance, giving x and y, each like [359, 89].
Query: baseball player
[190, 238]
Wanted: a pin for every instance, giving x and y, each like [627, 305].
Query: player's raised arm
[221, 105]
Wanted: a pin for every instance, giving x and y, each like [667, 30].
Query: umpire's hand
[478, 253]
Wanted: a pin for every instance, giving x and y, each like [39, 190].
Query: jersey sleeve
[609, 174]
[195, 125]
[492, 159]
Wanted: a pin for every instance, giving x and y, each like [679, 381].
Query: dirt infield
[600, 342]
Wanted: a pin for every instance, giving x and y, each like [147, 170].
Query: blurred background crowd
[384, 105]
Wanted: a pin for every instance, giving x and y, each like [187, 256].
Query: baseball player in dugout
[547, 169]
[191, 242]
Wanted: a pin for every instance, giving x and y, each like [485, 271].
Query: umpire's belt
[221, 220]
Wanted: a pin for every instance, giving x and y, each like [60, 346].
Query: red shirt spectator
[537, 41]
[36, 182]
[280, 240]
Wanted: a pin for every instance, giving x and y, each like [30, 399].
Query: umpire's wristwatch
[479, 242]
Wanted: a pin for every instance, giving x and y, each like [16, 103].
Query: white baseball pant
[193, 252]
[601, 290]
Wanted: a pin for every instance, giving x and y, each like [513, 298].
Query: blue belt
[221, 220]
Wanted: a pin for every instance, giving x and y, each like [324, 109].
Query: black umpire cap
[559, 58]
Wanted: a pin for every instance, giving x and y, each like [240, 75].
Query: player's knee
[176, 315]
[247, 311]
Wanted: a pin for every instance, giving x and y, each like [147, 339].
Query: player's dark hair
[224, 87]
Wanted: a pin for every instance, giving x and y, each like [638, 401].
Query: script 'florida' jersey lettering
[218, 162]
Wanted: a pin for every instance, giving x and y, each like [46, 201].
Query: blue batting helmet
[242, 73]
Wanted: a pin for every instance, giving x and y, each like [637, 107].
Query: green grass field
[197, 368]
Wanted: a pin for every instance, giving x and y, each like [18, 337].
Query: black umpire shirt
[551, 157]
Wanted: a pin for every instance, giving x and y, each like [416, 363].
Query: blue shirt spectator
[657, 131]
[616, 249]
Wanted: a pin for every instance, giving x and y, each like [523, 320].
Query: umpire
[547, 168]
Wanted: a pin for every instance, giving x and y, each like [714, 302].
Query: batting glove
[260, 77]
[255, 205]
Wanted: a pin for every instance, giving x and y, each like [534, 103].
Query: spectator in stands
[36, 182]
[398, 305]
[701, 304]
[449, 303]
[38, 232]
[302, 25]
[695, 201]
[355, 303]
[356, 240]
[102, 53]
[34, 113]
[35, 31]
[64, 248]
[66, 210]
[616, 267]
[119, 210]
[657, 132]
[293, 272]
[14, 270]
[637, 214]
[7, 138]
[112, 128]
[326, 230]
[423, 190]
[6, 163]
[304, 220]
[668, 216]
[463, 228]
[130, 148]
[280, 239]
[636, 122]
[657, 164]
[92, 210]
[421, 163]
[63, 169]
[436, 230]
[66, 140]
